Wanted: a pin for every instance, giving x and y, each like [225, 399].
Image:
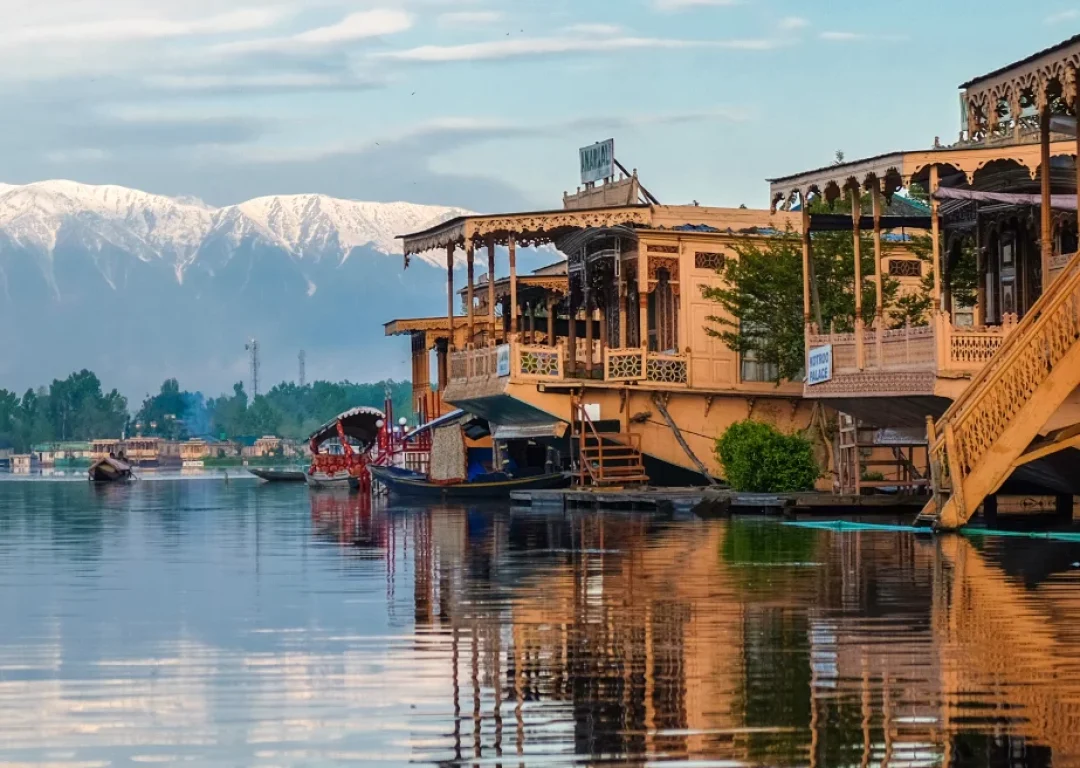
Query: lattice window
[666, 370]
[713, 261]
[624, 365]
[905, 268]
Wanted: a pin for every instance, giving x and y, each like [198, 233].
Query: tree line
[79, 409]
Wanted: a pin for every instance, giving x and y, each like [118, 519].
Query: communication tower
[302, 358]
[253, 349]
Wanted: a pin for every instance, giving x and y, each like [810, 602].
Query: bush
[758, 458]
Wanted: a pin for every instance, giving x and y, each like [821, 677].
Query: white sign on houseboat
[598, 161]
[819, 369]
[502, 360]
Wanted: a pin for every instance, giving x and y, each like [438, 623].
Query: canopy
[358, 423]
[1061, 202]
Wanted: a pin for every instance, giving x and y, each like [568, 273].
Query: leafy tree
[758, 458]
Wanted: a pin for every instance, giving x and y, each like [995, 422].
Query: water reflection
[263, 625]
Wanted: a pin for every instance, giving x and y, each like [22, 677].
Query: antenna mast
[253, 348]
[302, 358]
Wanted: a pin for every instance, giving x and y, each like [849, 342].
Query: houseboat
[611, 342]
[996, 396]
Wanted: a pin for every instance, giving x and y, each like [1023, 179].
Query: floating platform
[686, 499]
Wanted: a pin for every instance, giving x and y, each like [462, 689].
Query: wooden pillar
[512, 247]
[805, 211]
[643, 295]
[530, 331]
[603, 333]
[856, 233]
[450, 293]
[879, 299]
[442, 366]
[571, 333]
[469, 293]
[491, 288]
[1047, 212]
[1076, 104]
[935, 234]
[621, 294]
[980, 271]
[551, 321]
[588, 335]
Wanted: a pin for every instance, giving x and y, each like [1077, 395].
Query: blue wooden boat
[406, 483]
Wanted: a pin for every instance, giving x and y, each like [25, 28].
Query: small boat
[337, 481]
[279, 475]
[403, 482]
[111, 470]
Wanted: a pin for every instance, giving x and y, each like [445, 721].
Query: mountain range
[140, 287]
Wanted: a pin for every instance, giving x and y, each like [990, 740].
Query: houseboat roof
[357, 423]
[408, 325]
[900, 169]
[1060, 50]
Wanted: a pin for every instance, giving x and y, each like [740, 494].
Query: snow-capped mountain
[37, 217]
[139, 287]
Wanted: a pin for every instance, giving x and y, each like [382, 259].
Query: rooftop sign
[598, 161]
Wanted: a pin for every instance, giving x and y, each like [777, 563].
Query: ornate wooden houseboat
[999, 396]
[612, 340]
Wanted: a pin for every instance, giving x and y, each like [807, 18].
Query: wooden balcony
[936, 359]
[523, 363]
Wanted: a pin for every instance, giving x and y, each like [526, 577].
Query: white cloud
[278, 81]
[679, 5]
[354, 27]
[1069, 15]
[842, 36]
[854, 37]
[793, 22]
[545, 46]
[599, 30]
[469, 18]
[135, 29]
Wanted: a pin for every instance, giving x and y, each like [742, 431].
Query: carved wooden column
[512, 247]
[491, 288]
[588, 334]
[450, 293]
[935, 234]
[806, 267]
[442, 364]
[551, 321]
[1076, 108]
[1046, 213]
[622, 293]
[643, 295]
[469, 292]
[856, 233]
[879, 299]
[571, 333]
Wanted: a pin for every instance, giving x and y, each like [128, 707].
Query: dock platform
[686, 499]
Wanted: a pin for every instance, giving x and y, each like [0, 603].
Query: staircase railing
[997, 393]
[584, 426]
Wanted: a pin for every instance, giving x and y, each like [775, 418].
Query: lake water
[200, 622]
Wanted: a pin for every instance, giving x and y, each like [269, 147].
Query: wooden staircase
[983, 436]
[604, 459]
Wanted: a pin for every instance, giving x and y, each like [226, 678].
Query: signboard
[502, 360]
[820, 368]
[598, 161]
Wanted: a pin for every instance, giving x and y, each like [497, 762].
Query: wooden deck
[685, 499]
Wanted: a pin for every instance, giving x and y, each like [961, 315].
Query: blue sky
[483, 103]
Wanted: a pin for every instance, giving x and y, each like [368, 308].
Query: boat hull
[280, 475]
[416, 487]
[339, 481]
[110, 470]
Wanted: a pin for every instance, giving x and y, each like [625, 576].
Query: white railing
[624, 364]
[667, 369]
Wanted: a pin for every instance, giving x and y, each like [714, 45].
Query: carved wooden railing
[1024, 361]
[459, 366]
[939, 346]
[533, 362]
[624, 364]
[667, 369]
[473, 364]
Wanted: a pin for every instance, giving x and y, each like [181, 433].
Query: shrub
[758, 458]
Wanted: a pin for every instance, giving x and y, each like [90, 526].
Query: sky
[484, 103]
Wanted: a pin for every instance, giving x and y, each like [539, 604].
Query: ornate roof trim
[409, 325]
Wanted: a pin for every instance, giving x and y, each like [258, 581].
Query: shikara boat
[279, 475]
[110, 470]
[403, 482]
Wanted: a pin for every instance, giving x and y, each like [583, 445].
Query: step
[610, 450]
[619, 471]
